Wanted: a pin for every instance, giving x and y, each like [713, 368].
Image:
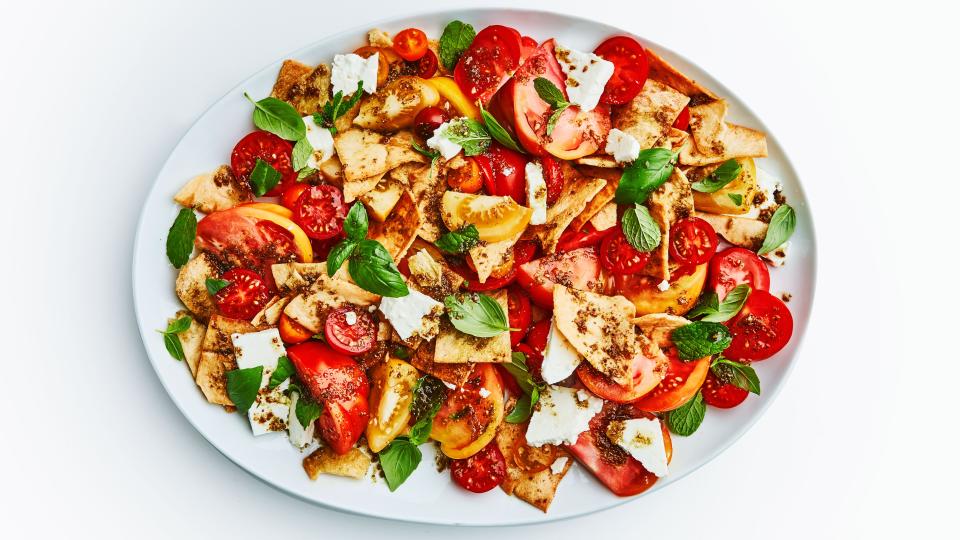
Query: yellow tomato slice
[300, 238]
[467, 421]
[277, 209]
[449, 91]
[496, 218]
[391, 392]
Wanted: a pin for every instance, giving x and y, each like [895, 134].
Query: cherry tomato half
[291, 331]
[292, 193]
[553, 176]
[244, 297]
[586, 237]
[489, 61]
[734, 266]
[480, 472]
[350, 331]
[722, 395]
[426, 66]
[763, 327]
[630, 68]
[410, 44]
[504, 172]
[428, 120]
[271, 149]
[692, 241]
[519, 312]
[617, 256]
[465, 179]
[320, 211]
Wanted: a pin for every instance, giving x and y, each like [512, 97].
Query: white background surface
[861, 443]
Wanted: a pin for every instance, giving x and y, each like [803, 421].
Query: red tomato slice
[488, 62]
[588, 237]
[618, 257]
[467, 420]
[681, 383]
[646, 368]
[292, 193]
[427, 65]
[723, 396]
[480, 472]
[519, 312]
[320, 211]
[630, 68]
[524, 251]
[553, 176]
[734, 266]
[503, 172]
[538, 334]
[763, 327]
[577, 269]
[270, 148]
[528, 46]
[683, 119]
[612, 465]
[410, 44]
[321, 248]
[692, 241]
[340, 385]
[244, 297]
[346, 338]
[292, 332]
[246, 241]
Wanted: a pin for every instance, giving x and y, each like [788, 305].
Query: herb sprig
[335, 108]
[720, 177]
[554, 97]
[181, 236]
[476, 314]
[648, 172]
[369, 263]
[459, 241]
[170, 338]
[640, 229]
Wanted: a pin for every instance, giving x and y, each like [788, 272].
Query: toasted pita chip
[217, 357]
[210, 192]
[599, 160]
[455, 347]
[427, 187]
[605, 218]
[577, 192]
[663, 72]
[352, 189]
[379, 38]
[381, 199]
[744, 232]
[708, 127]
[270, 314]
[331, 170]
[599, 200]
[423, 359]
[488, 256]
[353, 464]
[650, 115]
[396, 234]
[362, 154]
[291, 72]
[400, 150]
[191, 285]
[676, 138]
[310, 308]
[659, 326]
[599, 328]
[537, 488]
[295, 277]
[306, 88]
[668, 204]
[191, 340]
[431, 273]
[739, 142]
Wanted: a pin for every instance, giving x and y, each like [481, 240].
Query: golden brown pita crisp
[306, 88]
[599, 327]
[210, 192]
[353, 464]
[424, 265]
[399, 231]
[362, 154]
[668, 204]
[455, 347]
[217, 357]
[380, 200]
[577, 192]
[360, 187]
[658, 327]
[600, 200]
[427, 187]
[708, 127]
[662, 71]
[423, 359]
[270, 314]
[294, 277]
[734, 142]
[739, 231]
[649, 116]
[191, 340]
[488, 256]
[605, 218]
[191, 285]
[537, 488]
[599, 160]
[400, 150]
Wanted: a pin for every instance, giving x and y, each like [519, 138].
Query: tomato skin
[722, 395]
[683, 119]
[538, 335]
[761, 329]
[350, 339]
[692, 241]
[734, 266]
[578, 269]
[487, 64]
[506, 172]
[681, 383]
[480, 472]
[389, 417]
[290, 196]
[467, 421]
[630, 70]
[340, 385]
[588, 237]
[410, 44]
[466, 179]
[271, 149]
[618, 257]
[553, 176]
[426, 66]
[244, 297]
[320, 211]
[519, 313]
[247, 238]
[428, 120]
[291, 331]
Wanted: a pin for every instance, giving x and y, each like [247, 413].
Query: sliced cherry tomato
[578, 269]
[340, 385]
[506, 172]
[532, 459]
[426, 66]
[244, 297]
[290, 196]
[647, 369]
[391, 394]
[683, 120]
[588, 237]
[538, 335]
[734, 266]
[428, 120]
[489, 61]
[469, 418]
[681, 383]
[320, 211]
[480, 472]
[722, 395]
[291, 331]
[321, 248]
[692, 241]
[553, 176]
[630, 68]
[612, 465]
[618, 257]
[410, 44]
[763, 327]
[491, 284]
[518, 310]
[350, 330]
[466, 179]
[271, 149]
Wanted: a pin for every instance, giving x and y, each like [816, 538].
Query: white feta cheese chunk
[663, 286]
[271, 408]
[350, 318]
[484, 393]
[642, 438]
[414, 314]
[778, 256]
[321, 140]
[561, 415]
[349, 69]
[449, 385]
[440, 141]
[622, 146]
[764, 199]
[300, 437]
[587, 74]
[536, 192]
[558, 464]
[559, 357]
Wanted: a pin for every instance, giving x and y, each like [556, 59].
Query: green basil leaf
[641, 230]
[739, 374]
[711, 309]
[549, 92]
[339, 254]
[301, 154]
[518, 368]
[180, 237]
[686, 419]
[263, 178]
[179, 325]
[649, 171]
[781, 227]
[401, 352]
[524, 407]
[432, 154]
[470, 134]
[709, 303]
[283, 372]
[721, 176]
[736, 198]
[460, 240]
[278, 117]
[243, 385]
[307, 410]
[499, 133]
[174, 347]
[398, 461]
[554, 118]
[456, 38]
[305, 173]
[699, 339]
[373, 269]
[214, 285]
[356, 223]
[428, 394]
[476, 314]
[420, 431]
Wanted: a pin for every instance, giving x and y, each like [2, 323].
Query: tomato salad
[534, 255]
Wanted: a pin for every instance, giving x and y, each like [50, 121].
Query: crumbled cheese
[414, 314]
[622, 146]
[349, 69]
[561, 415]
[484, 393]
[558, 464]
[643, 439]
[440, 141]
[350, 317]
[560, 359]
[536, 192]
[663, 286]
[271, 408]
[321, 140]
[587, 75]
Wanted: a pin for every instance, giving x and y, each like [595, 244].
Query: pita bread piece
[537, 488]
[658, 327]
[217, 357]
[708, 127]
[380, 200]
[362, 154]
[306, 88]
[739, 231]
[456, 347]
[649, 116]
[294, 277]
[738, 142]
[488, 256]
[353, 464]
[599, 200]
[427, 187]
[191, 340]
[455, 374]
[577, 192]
[210, 192]
[662, 71]
[326, 294]
[599, 327]
[605, 218]
[270, 314]
[398, 233]
[601, 161]
[431, 273]
[191, 285]
[668, 204]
